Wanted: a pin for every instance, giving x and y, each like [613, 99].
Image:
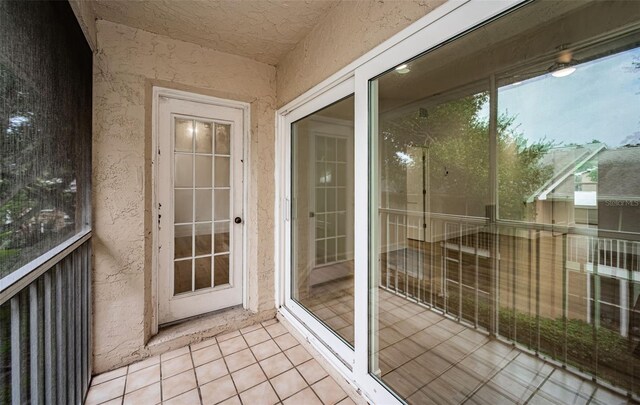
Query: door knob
[238, 220]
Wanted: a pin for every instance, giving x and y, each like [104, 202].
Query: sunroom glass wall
[322, 223]
[506, 211]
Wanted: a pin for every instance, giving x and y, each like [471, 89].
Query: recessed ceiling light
[402, 69]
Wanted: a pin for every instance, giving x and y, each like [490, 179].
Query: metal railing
[45, 330]
[564, 294]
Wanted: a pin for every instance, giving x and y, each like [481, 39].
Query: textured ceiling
[264, 30]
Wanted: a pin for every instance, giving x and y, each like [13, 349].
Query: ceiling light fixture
[565, 64]
[562, 69]
[402, 69]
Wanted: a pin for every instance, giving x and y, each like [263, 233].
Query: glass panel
[45, 137]
[203, 205]
[204, 137]
[222, 205]
[203, 239]
[203, 272]
[322, 277]
[182, 241]
[183, 206]
[505, 203]
[221, 269]
[184, 170]
[182, 276]
[320, 200]
[203, 171]
[184, 135]
[222, 172]
[221, 237]
[223, 139]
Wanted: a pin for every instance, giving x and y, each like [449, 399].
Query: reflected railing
[565, 294]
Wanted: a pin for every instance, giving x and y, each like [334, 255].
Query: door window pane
[203, 171]
[503, 201]
[203, 239]
[222, 202]
[183, 206]
[322, 182]
[204, 137]
[203, 272]
[223, 139]
[182, 241]
[222, 172]
[203, 205]
[221, 270]
[184, 170]
[184, 135]
[182, 276]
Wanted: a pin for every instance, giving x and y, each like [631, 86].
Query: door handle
[238, 220]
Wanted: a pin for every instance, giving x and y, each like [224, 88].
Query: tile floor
[260, 364]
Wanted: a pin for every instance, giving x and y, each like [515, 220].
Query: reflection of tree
[456, 135]
[37, 191]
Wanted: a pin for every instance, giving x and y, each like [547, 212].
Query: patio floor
[259, 364]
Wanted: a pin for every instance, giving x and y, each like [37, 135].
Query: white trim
[446, 22]
[159, 92]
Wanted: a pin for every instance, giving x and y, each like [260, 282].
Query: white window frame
[442, 24]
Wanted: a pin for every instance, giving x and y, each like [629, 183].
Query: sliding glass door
[461, 216]
[505, 212]
[321, 227]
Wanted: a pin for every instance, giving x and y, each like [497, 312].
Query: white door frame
[442, 24]
[163, 92]
[332, 342]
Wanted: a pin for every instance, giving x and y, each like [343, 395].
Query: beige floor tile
[235, 400]
[265, 349]
[312, 371]
[347, 401]
[232, 345]
[142, 378]
[250, 328]
[206, 355]
[217, 391]
[248, 377]
[108, 390]
[188, 398]
[211, 371]
[151, 361]
[176, 365]
[110, 375]
[286, 341]
[306, 397]
[226, 336]
[261, 394]
[329, 391]
[288, 383]
[275, 365]
[276, 329]
[178, 384]
[174, 353]
[148, 395]
[239, 360]
[115, 401]
[203, 344]
[257, 336]
[298, 355]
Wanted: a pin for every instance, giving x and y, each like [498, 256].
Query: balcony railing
[563, 294]
[45, 330]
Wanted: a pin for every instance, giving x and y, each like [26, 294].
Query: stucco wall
[86, 18]
[128, 62]
[349, 30]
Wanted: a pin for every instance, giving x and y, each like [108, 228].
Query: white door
[199, 194]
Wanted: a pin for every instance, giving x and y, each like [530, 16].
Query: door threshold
[196, 317]
[195, 329]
